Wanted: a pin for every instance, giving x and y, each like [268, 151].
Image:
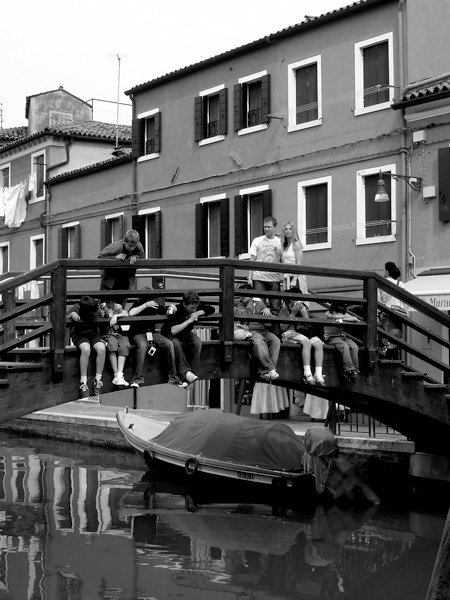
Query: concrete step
[20, 366]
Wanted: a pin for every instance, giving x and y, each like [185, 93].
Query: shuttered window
[69, 242]
[378, 214]
[316, 210]
[149, 228]
[210, 114]
[212, 229]
[306, 94]
[111, 230]
[376, 74]
[252, 103]
[250, 210]
[146, 135]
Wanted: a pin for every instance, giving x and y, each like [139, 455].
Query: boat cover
[232, 438]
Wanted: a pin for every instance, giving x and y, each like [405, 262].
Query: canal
[85, 523]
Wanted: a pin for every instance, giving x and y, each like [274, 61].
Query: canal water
[82, 523]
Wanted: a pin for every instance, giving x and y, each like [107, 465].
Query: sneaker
[309, 379]
[273, 374]
[119, 380]
[134, 384]
[183, 384]
[320, 380]
[191, 377]
[84, 391]
[98, 384]
[350, 375]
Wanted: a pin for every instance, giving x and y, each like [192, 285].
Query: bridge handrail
[221, 276]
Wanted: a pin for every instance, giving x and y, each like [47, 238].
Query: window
[5, 176]
[38, 169]
[111, 229]
[374, 76]
[69, 243]
[146, 135]
[148, 224]
[4, 258]
[375, 220]
[211, 115]
[212, 227]
[37, 251]
[252, 103]
[251, 207]
[304, 94]
[314, 210]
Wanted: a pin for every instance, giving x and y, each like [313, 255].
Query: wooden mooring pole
[439, 588]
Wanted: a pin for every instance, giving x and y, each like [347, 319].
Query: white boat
[209, 442]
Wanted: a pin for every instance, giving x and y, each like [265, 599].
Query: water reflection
[70, 529]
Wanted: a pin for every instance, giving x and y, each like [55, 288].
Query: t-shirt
[270, 251]
[182, 315]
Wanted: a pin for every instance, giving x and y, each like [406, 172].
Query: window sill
[381, 239]
[212, 140]
[301, 126]
[148, 157]
[252, 129]
[38, 199]
[370, 109]
[323, 246]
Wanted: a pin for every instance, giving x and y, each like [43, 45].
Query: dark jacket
[88, 324]
[180, 316]
[144, 326]
[109, 276]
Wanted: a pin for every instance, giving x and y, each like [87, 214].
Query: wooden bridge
[39, 369]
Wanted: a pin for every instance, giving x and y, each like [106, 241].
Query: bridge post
[58, 311]
[370, 337]
[226, 329]
[9, 327]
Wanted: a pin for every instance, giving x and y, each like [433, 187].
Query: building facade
[300, 125]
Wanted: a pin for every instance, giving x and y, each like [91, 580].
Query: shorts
[118, 343]
[293, 336]
[90, 338]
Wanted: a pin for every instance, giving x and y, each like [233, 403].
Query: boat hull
[139, 431]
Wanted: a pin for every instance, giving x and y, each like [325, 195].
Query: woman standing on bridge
[292, 255]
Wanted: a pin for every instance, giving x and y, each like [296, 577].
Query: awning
[434, 289]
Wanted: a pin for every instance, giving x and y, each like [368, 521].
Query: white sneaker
[119, 380]
[273, 374]
[191, 377]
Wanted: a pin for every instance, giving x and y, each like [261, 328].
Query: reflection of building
[66, 531]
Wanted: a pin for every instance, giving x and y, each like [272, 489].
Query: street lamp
[381, 196]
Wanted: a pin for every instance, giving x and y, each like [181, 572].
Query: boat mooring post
[439, 588]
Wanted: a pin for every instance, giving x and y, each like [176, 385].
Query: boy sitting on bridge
[85, 335]
[298, 333]
[335, 335]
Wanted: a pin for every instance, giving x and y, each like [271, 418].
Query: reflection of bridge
[398, 393]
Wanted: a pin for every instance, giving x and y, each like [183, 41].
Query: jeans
[187, 353]
[167, 349]
[275, 303]
[266, 348]
[348, 350]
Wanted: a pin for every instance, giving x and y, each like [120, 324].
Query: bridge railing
[65, 281]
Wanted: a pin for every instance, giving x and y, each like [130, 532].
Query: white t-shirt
[267, 250]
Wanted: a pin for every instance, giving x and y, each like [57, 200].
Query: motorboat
[225, 445]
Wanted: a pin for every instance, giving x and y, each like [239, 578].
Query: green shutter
[267, 203]
[137, 137]
[199, 231]
[77, 233]
[158, 245]
[444, 184]
[225, 227]
[265, 99]
[157, 126]
[237, 95]
[103, 234]
[223, 112]
[198, 119]
[240, 226]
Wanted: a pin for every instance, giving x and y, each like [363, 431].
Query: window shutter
[77, 234]
[121, 228]
[103, 224]
[265, 99]
[158, 245]
[240, 226]
[225, 227]
[444, 184]
[237, 107]
[136, 224]
[60, 243]
[157, 125]
[267, 203]
[198, 109]
[137, 137]
[223, 112]
[199, 231]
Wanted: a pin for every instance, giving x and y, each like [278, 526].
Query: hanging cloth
[16, 206]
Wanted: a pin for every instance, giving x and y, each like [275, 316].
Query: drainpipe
[406, 205]
[134, 198]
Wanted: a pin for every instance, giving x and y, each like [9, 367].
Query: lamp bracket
[414, 182]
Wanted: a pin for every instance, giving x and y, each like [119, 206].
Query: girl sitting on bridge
[304, 334]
